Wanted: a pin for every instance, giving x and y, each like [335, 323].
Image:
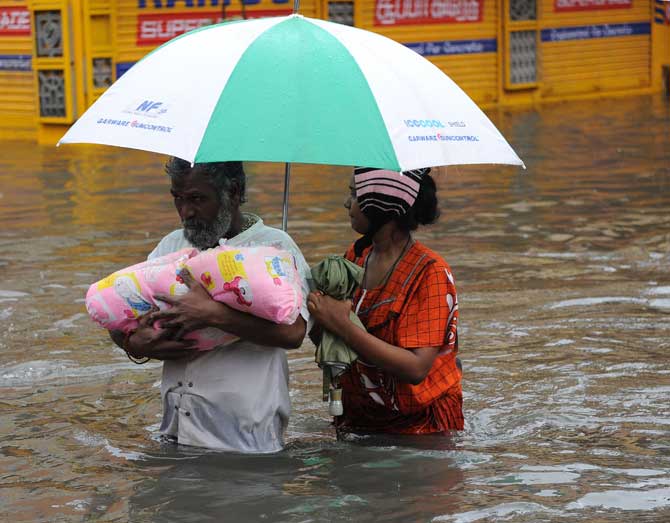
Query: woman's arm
[409, 365]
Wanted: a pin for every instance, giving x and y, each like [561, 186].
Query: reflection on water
[565, 305]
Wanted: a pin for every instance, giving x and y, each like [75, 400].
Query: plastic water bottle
[335, 408]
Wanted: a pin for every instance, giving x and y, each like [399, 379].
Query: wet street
[564, 292]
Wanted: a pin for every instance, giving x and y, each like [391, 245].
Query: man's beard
[203, 235]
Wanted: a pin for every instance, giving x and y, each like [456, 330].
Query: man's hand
[194, 310]
[156, 343]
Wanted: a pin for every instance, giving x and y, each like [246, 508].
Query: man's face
[205, 215]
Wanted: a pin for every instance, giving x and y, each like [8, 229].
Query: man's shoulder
[174, 236]
[265, 234]
[170, 243]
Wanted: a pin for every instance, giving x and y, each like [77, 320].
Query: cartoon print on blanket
[262, 281]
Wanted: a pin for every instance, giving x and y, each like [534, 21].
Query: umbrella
[292, 89]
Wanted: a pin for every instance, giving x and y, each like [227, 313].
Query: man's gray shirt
[234, 397]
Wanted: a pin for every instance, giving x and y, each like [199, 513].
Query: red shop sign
[155, 29]
[564, 6]
[416, 12]
[14, 21]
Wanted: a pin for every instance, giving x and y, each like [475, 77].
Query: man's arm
[197, 309]
[258, 330]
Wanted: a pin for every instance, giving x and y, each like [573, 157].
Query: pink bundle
[262, 281]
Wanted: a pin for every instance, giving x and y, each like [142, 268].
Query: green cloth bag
[337, 277]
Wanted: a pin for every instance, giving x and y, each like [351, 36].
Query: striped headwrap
[388, 192]
[383, 195]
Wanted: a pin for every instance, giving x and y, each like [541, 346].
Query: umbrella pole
[287, 170]
[284, 213]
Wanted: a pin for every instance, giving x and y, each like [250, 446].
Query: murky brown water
[565, 306]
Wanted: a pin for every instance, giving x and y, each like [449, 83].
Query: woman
[407, 379]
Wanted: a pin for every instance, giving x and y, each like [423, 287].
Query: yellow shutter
[17, 83]
[450, 46]
[600, 61]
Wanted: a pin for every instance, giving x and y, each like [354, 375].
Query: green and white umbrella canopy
[292, 89]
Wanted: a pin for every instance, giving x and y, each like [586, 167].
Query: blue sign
[122, 67]
[187, 3]
[453, 47]
[168, 4]
[16, 62]
[587, 32]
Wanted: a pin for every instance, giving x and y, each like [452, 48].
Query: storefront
[521, 51]
[610, 53]
[58, 56]
[18, 96]
[458, 36]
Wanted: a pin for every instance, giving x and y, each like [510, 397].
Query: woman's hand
[330, 313]
[194, 310]
[411, 365]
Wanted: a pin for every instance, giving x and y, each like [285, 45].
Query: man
[234, 397]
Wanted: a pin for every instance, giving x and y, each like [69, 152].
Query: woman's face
[359, 222]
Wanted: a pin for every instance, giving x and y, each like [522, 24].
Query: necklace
[386, 276]
[390, 270]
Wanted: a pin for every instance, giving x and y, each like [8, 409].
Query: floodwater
[564, 287]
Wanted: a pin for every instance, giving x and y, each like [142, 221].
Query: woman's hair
[425, 209]
[222, 174]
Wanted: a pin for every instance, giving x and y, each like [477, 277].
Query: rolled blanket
[339, 278]
[262, 281]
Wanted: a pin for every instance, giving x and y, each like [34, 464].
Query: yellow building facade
[58, 56]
